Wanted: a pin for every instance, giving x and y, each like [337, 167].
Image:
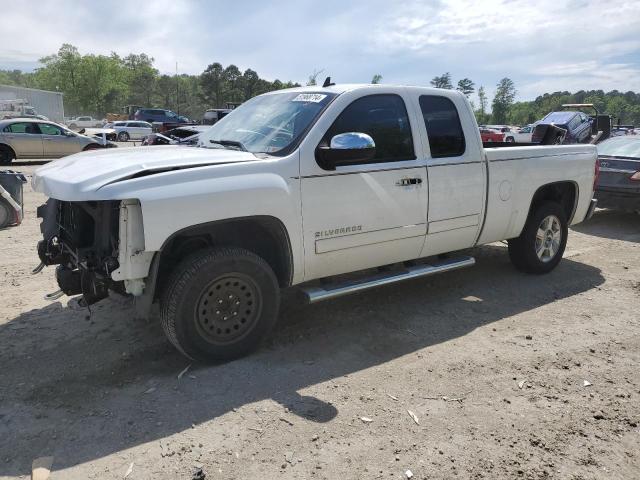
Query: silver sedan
[32, 138]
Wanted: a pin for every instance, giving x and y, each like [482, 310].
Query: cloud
[543, 46]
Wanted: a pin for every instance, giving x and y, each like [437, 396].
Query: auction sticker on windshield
[309, 97]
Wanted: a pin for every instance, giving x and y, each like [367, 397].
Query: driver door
[371, 214]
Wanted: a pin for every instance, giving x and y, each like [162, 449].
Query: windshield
[620, 147]
[269, 123]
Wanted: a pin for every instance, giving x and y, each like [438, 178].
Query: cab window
[384, 118]
[444, 129]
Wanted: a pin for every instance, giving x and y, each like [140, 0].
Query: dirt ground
[492, 363]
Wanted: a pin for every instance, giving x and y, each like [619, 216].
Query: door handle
[404, 182]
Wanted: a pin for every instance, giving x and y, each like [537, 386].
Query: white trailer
[49, 104]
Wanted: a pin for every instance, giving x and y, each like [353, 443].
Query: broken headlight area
[81, 238]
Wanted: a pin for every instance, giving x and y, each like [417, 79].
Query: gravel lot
[491, 362]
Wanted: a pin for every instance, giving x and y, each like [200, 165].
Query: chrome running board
[316, 294]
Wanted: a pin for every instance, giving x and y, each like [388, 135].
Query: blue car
[577, 125]
[159, 115]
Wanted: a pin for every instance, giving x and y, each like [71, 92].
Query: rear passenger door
[457, 174]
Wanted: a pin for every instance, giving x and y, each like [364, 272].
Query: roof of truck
[346, 87]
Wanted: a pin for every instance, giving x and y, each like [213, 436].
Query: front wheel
[219, 303]
[540, 246]
[123, 137]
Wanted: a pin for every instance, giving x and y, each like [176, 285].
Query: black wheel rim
[228, 308]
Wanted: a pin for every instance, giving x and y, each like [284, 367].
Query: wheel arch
[565, 192]
[266, 236]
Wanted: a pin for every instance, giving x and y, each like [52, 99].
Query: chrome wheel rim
[228, 308]
[548, 238]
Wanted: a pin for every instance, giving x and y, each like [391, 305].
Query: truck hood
[72, 178]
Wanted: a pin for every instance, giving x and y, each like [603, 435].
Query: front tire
[219, 304]
[123, 137]
[540, 246]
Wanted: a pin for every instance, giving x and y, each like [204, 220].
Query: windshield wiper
[230, 143]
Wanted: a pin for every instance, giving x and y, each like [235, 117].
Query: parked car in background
[577, 125]
[84, 122]
[152, 115]
[508, 131]
[490, 135]
[31, 138]
[187, 135]
[214, 115]
[523, 135]
[109, 133]
[132, 130]
[618, 184]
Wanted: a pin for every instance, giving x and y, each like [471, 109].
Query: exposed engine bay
[82, 239]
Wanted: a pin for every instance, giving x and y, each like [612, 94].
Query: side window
[384, 118]
[443, 126]
[21, 128]
[48, 129]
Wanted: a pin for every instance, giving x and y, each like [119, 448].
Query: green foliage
[98, 84]
[466, 86]
[443, 81]
[623, 106]
[482, 116]
[377, 78]
[505, 94]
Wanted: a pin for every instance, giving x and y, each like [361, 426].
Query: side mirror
[348, 148]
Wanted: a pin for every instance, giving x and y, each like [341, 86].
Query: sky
[542, 45]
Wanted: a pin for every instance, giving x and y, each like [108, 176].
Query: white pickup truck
[296, 188]
[84, 122]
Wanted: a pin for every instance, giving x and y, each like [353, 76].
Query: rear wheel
[6, 155]
[123, 137]
[540, 246]
[219, 304]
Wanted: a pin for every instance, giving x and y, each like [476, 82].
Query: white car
[84, 122]
[130, 130]
[298, 187]
[524, 134]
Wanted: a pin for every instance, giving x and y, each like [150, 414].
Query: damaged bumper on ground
[97, 246]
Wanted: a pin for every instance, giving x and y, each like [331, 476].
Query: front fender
[213, 199]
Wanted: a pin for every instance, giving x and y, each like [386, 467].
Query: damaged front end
[97, 246]
[81, 238]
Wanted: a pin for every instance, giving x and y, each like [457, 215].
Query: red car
[489, 135]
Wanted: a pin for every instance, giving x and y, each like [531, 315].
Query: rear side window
[384, 118]
[21, 128]
[443, 126]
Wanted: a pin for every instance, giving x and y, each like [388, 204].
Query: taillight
[635, 176]
[596, 174]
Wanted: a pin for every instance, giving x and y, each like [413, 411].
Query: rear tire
[218, 304]
[123, 137]
[6, 155]
[540, 246]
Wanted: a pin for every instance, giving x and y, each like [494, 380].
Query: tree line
[98, 84]
[623, 106]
